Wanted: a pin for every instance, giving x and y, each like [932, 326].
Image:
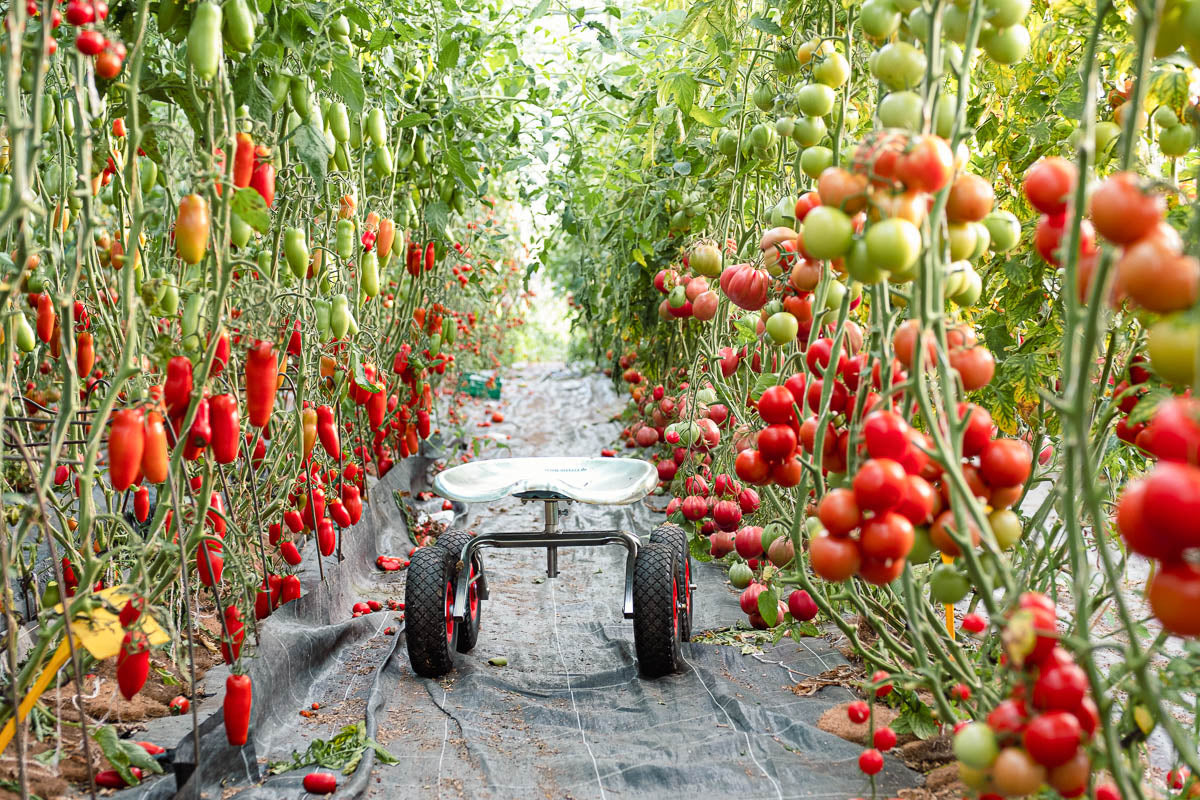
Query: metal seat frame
[551, 537]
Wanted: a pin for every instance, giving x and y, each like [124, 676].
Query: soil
[104, 705]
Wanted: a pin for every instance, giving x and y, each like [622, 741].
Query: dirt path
[568, 717]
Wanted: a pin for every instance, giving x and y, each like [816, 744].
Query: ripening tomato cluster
[691, 296]
[1158, 514]
[1038, 735]
[109, 54]
[1128, 212]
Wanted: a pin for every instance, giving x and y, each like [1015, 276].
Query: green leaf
[768, 607]
[312, 150]
[448, 55]
[360, 377]
[705, 117]
[249, 89]
[250, 206]
[344, 751]
[747, 330]
[381, 38]
[766, 25]
[413, 120]
[539, 10]
[456, 166]
[123, 754]
[680, 87]
[436, 216]
[347, 81]
[919, 721]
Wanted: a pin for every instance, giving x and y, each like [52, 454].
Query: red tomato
[939, 533]
[1060, 688]
[775, 405]
[879, 485]
[1122, 210]
[1053, 738]
[970, 200]
[751, 467]
[838, 512]
[1006, 462]
[834, 559]
[1049, 183]
[871, 761]
[1172, 503]
[927, 165]
[1139, 536]
[975, 366]
[886, 435]
[1007, 720]
[920, 500]
[776, 442]
[886, 536]
[1174, 594]
[978, 431]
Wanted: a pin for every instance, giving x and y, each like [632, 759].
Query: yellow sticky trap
[949, 609]
[99, 631]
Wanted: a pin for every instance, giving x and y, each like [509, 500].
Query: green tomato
[901, 110]
[1164, 117]
[381, 161]
[828, 232]
[727, 144]
[815, 160]
[678, 297]
[807, 131]
[900, 66]
[339, 316]
[860, 266]
[740, 575]
[983, 239]
[834, 295]
[832, 70]
[1006, 527]
[205, 48]
[922, 548]
[1004, 230]
[760, 136]
[815, 99]
[25, 338]
[295, 249]
[1008, 45]
[1003, 13]
[1173, 344]
[1177, 141]
[764, 97]
[963, 239]
[975, 745]
[954, 24]
[239, 231]
[782, 328]
[893, 244]
[972, 287]
[948, 585]
[878, 19]
[813, 526]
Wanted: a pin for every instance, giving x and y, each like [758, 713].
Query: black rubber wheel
[429, 629]
[656, 610]
[453, 541]
[676, 537]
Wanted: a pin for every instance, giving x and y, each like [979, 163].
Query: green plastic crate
[476, 385]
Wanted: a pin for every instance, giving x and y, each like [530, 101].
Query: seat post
[551, 528]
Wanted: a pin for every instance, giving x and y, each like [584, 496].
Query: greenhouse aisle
[567, 716]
